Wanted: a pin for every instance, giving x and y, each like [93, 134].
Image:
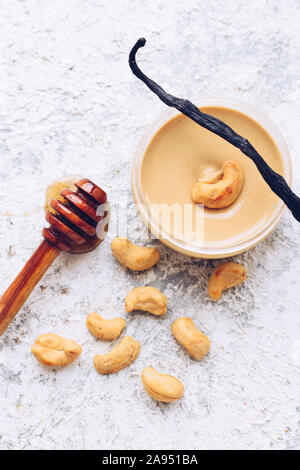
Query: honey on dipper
[76, 225]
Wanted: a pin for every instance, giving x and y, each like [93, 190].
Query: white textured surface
[69, 104]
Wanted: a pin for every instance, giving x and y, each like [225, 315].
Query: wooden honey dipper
[74, 227]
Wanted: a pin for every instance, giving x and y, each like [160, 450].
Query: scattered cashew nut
[120, 356]
[107, 330]
[137, 258]
[54, 351]
[161, 387]
[223, 193]
[225, 276]
[185, 332]
[148, 299]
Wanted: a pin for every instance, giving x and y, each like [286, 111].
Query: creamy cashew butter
[183, 152]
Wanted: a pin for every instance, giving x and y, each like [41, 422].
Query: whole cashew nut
[120, 356]
[225, 276]
[185, 332]
[148, 299]
[55, 351]
[137, 258]
[222, 193]
[107, 330]
[161, 387]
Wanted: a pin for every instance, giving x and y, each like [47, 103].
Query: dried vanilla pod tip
[161, 387]
[137, 258]
[148, 299]
[225, 276]
[119, 357]
[275, 181]
[223, 192]
[107, 330]
[193, 340]
[54, 351]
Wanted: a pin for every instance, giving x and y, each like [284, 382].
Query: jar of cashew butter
[176, 152]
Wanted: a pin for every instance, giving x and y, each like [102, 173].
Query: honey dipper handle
[20, 289]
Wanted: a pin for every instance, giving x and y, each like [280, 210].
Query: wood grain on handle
[20, 289]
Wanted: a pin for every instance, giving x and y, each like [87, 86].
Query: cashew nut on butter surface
[137, 258]
[55, 351]
[107, 330]
[120, 356]
[225, 276]
[185, 332]
[161, 387]
[148, 299]
[221, 193]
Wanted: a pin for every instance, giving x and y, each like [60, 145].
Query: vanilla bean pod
[275, 181]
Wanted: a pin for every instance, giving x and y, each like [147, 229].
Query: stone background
[69, 104]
